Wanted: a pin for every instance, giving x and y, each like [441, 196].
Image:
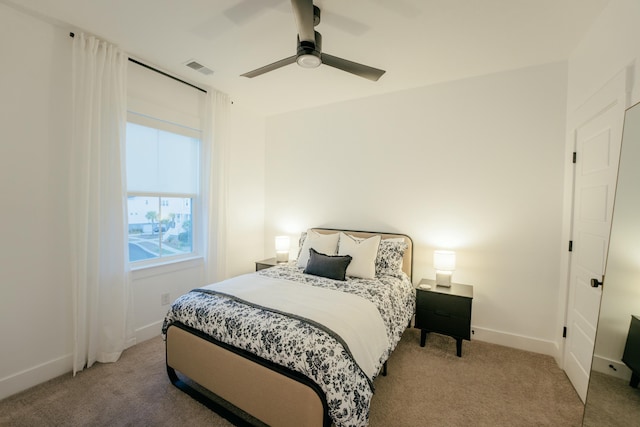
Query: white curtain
[100, 276]
[215, 188]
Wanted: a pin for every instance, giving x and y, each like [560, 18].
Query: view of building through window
[159, 226]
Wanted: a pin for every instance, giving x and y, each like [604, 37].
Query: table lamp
[445, 263]
[282, 248]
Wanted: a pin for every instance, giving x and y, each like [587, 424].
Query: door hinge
[570, 245]
[575, 155]
[564, 332]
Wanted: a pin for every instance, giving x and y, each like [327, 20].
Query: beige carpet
[489, 386]
[611, 402]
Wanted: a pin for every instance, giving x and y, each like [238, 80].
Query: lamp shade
[282, 248]
[444, 260]
[282, 244]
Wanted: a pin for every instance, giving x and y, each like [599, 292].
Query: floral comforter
[299, 345]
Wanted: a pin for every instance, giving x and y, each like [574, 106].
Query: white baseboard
[28, 378]
[615, 368]
[20, 381]
[149, 331]
[46, 371]
[520, 342]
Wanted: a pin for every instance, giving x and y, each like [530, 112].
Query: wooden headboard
[407, 261]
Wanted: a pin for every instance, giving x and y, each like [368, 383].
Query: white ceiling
[417, 42]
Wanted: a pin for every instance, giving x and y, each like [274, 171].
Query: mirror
[611, 400]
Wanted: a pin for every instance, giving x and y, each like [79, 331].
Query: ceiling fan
[310, 53]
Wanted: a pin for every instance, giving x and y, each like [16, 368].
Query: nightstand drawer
[444, 322]
[450, 305]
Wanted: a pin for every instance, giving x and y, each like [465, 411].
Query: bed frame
[246, 387]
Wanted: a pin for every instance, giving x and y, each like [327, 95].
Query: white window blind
[161, 162]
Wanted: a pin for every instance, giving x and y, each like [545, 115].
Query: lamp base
[443, 279]
[282, 257]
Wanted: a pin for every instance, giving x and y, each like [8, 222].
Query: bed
[295, 345]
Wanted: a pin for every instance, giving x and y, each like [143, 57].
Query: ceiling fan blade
[303, 11]
[247, 10]
[352, 67]
[345, 23]
[270, 67]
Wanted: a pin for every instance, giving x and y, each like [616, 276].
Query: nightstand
[265, 263]
[445, 311]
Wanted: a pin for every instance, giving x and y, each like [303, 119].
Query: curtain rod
[159, 71]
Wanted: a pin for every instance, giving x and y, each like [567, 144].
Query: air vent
[195, 65]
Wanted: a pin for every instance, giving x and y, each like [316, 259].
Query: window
[162, 188]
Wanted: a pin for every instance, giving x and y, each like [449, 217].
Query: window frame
[196, 198]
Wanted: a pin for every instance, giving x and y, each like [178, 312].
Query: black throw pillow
[331, 267]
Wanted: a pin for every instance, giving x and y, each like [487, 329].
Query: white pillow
[324, 243]
[363, 252]
[385, 258]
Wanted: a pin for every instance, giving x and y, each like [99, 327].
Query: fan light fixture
[309, 53]
[308, 61]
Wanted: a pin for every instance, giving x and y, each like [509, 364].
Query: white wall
[611, 47]
[474, 165]
[245, 215]
[35, 293]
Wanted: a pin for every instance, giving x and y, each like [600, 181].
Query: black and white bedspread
[300, 345]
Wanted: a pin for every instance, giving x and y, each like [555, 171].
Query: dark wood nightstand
[265, 263]
[445, 311]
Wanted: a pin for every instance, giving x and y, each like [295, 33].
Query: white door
[598, 143]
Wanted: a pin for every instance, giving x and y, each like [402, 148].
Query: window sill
[141, 272]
